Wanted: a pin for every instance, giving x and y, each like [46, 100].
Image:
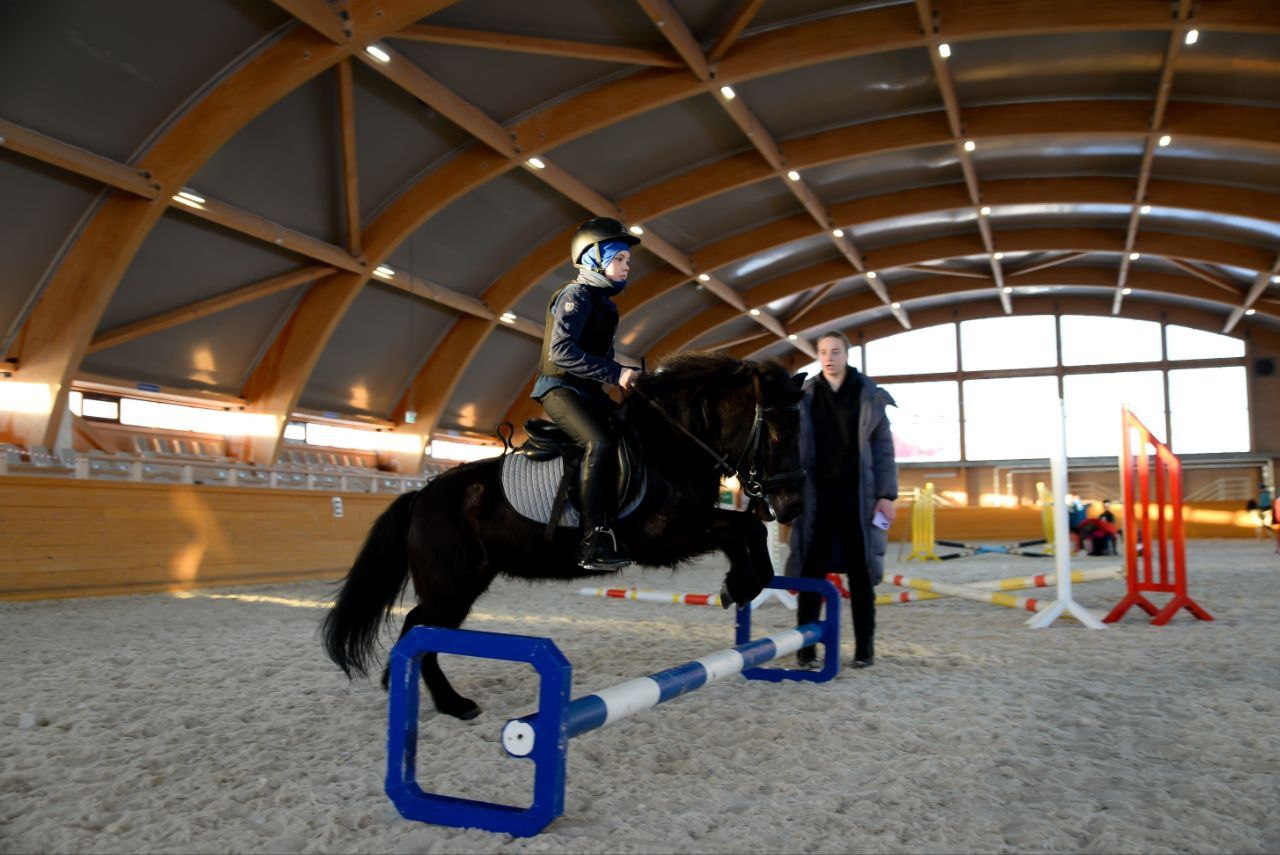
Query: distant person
[1265, 502]
[1110, 518]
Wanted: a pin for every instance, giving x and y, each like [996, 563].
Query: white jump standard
[543, 737]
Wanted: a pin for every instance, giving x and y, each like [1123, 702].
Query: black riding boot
[597, 500]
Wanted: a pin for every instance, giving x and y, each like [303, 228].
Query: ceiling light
[1275, 280]
[970, 145]
[1126, 291]
[537, 163]
[837, 233]
[793, 175]
[1008, 290]
[1145, 209]
[1250, 311]
[728, 93]
[793, 336]
[383, 270]
[378, 53]
[1134, 256]
[997, 255]
[944, 50]
[508, 317]
[1165, 140]
[985, 210]
[188, 196]
[702, 277]
[755, 313]
[871, 274]
[895, 305]
[1193, 36]
[636, 230]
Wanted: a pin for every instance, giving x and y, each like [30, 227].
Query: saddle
[540, 479]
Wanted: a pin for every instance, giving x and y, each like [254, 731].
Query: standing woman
[851, 483]
[577, 363]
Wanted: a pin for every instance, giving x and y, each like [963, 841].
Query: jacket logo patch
[569, 306]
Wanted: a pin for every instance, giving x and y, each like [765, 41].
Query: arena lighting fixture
[837, 233]
[378, 53]
[944, 50]
[1165, 140]
[1250, 311]
[728, 93]
[34, 398]
[1193, 36]
[1134, 256]
[793, 175]
[536, 163]
[1126, 291]
[1008, 290]
[985, 210]
[970, 145]
[1145, 209]
[636, 230]
[508, 317]
[895, 305]
[384, 271]
[871, 274]
[702, 277]
[188, 196]
[755, 313]
[793, 336]
[1275, 280]
[997, 255]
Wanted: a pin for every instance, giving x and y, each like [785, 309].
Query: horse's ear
[797, 380]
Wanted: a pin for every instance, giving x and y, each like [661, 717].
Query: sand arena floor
[211, 722]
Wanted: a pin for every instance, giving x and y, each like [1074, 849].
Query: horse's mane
[694, 372]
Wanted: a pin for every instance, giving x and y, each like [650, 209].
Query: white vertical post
[1062, 540]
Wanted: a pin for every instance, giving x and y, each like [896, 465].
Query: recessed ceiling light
[188, 196]
[997, 255]
[755, 313]
[1193, 36]
[837, 233]
[508, 317]
[871, 274]
[985, 210]
[1126, 291]
[793, 175]
[970, 145]
[1145, 209]
[378, 53]
[537, 163]
[792, 337]
[1008, 290]
[728, 93]
[944, 50]
[1165, 140]
[702, 277]
[895, 305]
[1134, 256]
[636, 230]
[383, 270]
[1250, 311]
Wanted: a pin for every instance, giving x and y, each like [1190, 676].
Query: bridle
[757, 484]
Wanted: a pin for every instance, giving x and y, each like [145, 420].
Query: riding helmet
[598, 230]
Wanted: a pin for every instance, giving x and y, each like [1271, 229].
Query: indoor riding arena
[639, 426]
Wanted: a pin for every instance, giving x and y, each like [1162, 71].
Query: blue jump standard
[543, 737]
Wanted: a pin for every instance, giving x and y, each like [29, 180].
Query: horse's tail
[370, 590]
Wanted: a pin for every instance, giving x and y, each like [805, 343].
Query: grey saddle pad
[530, 486]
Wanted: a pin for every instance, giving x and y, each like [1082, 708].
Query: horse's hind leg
[443, 695]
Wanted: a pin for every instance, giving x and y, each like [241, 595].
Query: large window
[1093, 409]
[1013, 342]
[1209, 408]
[1188, 343]
[926, 351]
[1088, 340]
[926, 422]
[1010, 418]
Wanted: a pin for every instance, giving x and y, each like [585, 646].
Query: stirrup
[612, 560]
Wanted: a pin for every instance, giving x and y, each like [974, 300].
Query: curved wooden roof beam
[62, 323]
[940, 249]
[1100, 277]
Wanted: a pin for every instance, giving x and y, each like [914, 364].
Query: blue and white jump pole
[543, 737]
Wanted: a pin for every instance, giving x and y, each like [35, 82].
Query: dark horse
[697, 417]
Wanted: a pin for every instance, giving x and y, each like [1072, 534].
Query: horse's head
[774, 472]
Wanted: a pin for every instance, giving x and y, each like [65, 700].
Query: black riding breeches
[837, 546]
[589, 424]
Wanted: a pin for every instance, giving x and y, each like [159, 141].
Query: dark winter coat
[879, 471]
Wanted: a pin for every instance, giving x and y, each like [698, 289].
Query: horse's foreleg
[443, 695]
[743, 540]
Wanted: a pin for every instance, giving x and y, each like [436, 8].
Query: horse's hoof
[463, 710]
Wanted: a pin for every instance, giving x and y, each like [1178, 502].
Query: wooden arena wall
[65, 538]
